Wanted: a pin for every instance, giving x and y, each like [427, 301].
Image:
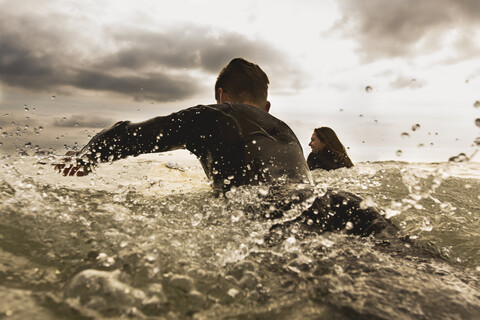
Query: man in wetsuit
[237, 141]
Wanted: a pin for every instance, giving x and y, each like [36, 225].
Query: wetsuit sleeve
[132, 139]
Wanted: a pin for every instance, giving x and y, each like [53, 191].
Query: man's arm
[132, 139]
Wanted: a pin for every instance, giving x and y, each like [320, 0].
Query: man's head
[243, 82]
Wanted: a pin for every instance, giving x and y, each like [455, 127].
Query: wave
[147, 238]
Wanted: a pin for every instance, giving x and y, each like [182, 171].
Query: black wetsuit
[326, 160]
[237, 144]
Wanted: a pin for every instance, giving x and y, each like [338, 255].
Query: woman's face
[315, 143]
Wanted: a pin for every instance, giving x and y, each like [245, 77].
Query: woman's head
[316, 143]
[325, 138]
[328, 138]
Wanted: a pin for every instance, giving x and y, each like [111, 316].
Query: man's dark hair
[243, 81]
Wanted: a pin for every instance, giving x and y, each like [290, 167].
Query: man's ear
[267, 106]
[223, 96]
[219, 95]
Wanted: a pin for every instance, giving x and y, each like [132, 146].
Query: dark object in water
[336, 211]
[462, 157]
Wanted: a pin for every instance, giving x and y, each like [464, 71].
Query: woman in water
[328, 153]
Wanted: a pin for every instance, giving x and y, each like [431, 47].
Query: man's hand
[69, 169]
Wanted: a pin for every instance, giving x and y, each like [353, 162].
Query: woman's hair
[332, 143]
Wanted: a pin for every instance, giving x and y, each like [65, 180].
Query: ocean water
[146, 238]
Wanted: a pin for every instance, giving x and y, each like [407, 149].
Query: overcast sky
[70, 68]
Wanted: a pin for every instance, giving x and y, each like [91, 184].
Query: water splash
[139, 256]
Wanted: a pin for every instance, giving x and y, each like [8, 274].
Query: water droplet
[427, 228]
[28, 145]
[236, 215]
[477, 141]
[40, 128]
[405, 135]
[1, 143]
[361, 115]
[26, 109]
[341, 109]
[415, 127]
[64, 118]
[53, 97]
[477, 122]
[477, 104]
[399, 153]
[22, 154]
[233, 292]
[196, 219]
[254, 141]
[349, 225]
[263, 191]
[368, 89]
[421, 145]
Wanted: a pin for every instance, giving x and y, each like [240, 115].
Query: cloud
[405, 28]
[83, 121]
[57, 54]
[401, 82]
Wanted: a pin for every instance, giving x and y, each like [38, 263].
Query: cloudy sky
[386, 75]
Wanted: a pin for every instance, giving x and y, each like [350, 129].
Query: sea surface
[146, 238]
